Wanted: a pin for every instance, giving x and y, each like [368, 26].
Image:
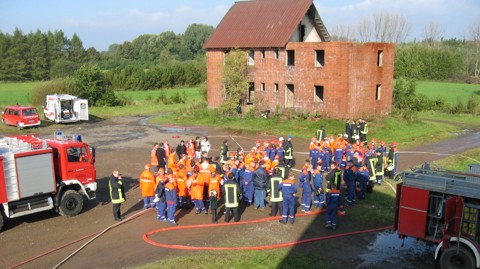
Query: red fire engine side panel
[3, 187]
[413, 212]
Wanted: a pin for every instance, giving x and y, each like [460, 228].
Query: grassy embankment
[377, 209]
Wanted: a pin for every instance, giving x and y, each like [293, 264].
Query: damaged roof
[263, 24]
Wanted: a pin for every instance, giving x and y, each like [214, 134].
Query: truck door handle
[78, 170]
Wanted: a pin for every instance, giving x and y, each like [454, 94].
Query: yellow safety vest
[231, 195]
[276, 194]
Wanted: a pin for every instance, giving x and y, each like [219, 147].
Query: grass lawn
[459, 162]
[434, 127]
[450, 91]
[243, 259]
[144, 103]
[12, 93]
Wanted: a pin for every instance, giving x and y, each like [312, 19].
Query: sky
[100, 23]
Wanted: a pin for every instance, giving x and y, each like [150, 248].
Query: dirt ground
[125, 144]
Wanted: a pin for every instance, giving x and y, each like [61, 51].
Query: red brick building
[294, 65]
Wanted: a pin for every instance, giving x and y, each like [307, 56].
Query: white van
[64, 108]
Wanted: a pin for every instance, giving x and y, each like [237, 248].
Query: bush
[90, 83]
[202, 89]
[124, 100]
[162, 98]
[473, 105]
[458, 108]
[60, 86]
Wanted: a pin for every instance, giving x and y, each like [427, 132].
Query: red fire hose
[183, 247]
[280, 245]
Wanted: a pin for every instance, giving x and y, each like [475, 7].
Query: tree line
[147, 62]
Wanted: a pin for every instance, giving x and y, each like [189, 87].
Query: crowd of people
[189, 178]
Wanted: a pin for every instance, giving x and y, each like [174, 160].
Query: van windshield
[30, 112]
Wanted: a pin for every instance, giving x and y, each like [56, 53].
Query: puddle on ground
[173, 129]
[387, 249]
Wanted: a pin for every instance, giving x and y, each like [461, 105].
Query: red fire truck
[43, 174]
[441, 207]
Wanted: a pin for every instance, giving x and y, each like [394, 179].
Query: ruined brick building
[294, 64]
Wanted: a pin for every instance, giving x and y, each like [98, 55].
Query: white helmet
[281, 138]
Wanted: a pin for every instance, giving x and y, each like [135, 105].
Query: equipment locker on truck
[441, 207]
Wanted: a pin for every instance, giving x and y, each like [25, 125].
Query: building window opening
[380, 58]
[251, 93]
[378, 92]
[275, 52]
[318, 97]
[319, 58]
[275, 87]
[290, 58]
[301, 32]
[262, 87]
[262, 54]
[289, 95]
[251, 57]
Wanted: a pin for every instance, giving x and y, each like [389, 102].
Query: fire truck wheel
[457, 258]
[71, 203]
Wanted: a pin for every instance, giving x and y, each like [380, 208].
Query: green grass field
[451, 92]
[12, 93]
[144, 103]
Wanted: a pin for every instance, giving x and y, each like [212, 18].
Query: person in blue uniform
[318, 192]
[289, 191]
[305, 179]
[333, 202]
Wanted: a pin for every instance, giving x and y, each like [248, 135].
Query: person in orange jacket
[250, 157]
[160, 176]
[268, 165]
[153, 157]
[172, 160]
[214, 184]
[183, 193]
[196, 192]
[214, 187]
[313, 143]
[167, 149]
[147, 185]
[183, 161]
[206, 169]
[191, 148]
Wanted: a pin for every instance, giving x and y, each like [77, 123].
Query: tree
[364, 29]
[235, 73]
[90, 83]
[342, 32]
[4, 46]
[475, 36]
[76, 52]
[432, 32]
[390, 27]
[193, 39]
[37, 57]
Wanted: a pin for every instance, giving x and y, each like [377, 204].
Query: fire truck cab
[43, 174]
[442, 207]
